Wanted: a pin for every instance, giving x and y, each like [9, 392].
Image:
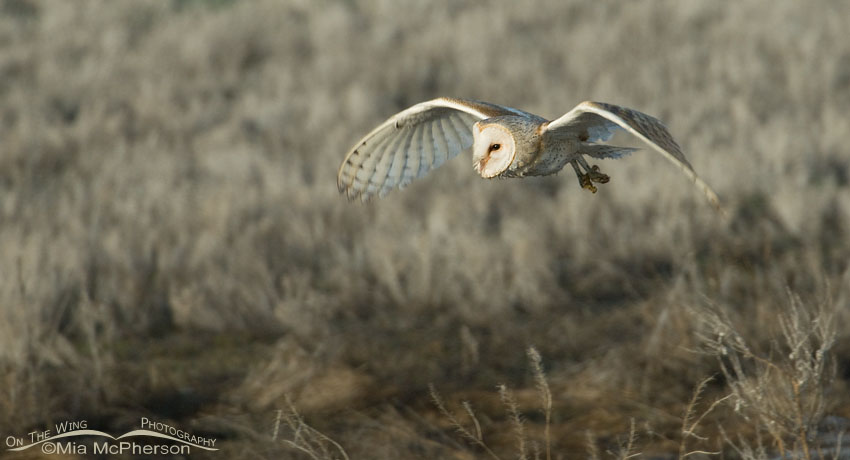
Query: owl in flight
[505, 142]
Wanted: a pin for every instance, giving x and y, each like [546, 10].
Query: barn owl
[505, 142]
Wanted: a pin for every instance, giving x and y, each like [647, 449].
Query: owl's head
[493, 148]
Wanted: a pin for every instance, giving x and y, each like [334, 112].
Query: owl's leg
[591, 174]
[583, 179]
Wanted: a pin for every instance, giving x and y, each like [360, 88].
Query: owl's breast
[548, 160]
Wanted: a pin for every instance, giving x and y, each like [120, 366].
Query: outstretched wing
[597, 121]
[410, 144]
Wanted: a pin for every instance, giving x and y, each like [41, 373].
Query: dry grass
[172, 243]
[783, 391]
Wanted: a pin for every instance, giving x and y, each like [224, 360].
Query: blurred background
[173, 244]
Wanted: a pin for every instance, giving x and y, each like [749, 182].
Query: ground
[173, 244]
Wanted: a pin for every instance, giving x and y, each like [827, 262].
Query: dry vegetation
[172, 243]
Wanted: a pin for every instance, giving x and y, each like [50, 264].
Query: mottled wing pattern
[582, 121]
[410, 144]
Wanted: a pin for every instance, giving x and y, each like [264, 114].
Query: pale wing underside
[597, 119]
[410, 144]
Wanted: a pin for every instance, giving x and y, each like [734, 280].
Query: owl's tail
[605, 151]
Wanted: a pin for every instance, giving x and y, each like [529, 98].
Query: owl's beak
[480, 164]
[480, 157]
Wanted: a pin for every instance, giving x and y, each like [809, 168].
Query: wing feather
[423, 136]
[459, 125]
[452, 137]
[428, 152]
[370, 157]
[360, 169]
[355, 161]
[414, 157]
[382, 170]
[366, 176]
[441, 144]
[603, 132]
[587, 118]
[399, 160]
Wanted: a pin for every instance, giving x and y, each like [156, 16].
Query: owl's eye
[494, 147]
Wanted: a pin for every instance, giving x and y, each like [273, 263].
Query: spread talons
[590, 174]
[597, 176]
[586, 182]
